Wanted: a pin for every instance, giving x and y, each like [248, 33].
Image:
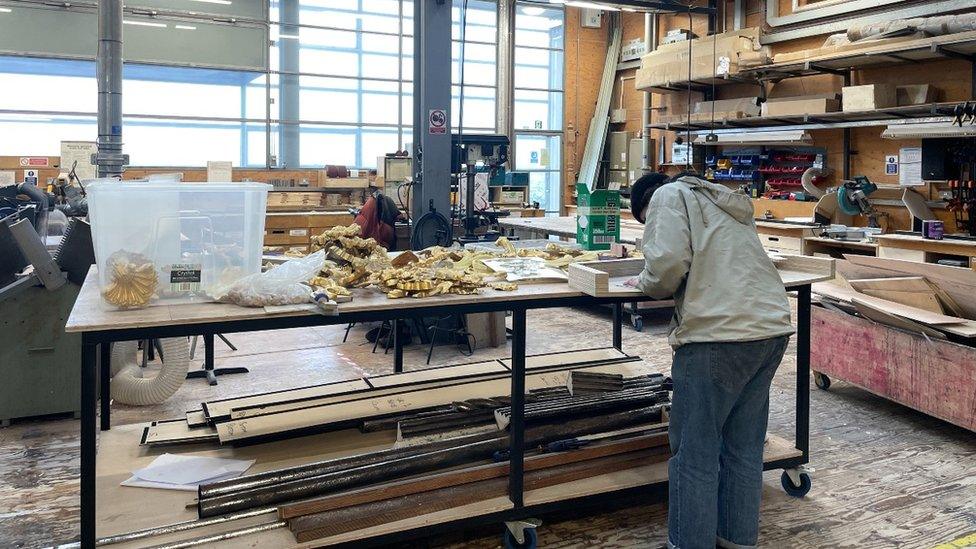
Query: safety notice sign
[437, 122]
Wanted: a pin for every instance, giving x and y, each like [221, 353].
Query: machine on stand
[851, 199]
[477, 161]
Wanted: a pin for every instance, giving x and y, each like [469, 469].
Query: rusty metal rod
[398, 467]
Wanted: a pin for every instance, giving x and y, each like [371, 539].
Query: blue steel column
[431, 91]
[288, 131]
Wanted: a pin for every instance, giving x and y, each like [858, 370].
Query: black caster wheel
[638, 323]
[531, 540]
[821, 380]
[792, 489]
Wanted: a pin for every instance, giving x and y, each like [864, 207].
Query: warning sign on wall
[437, 122]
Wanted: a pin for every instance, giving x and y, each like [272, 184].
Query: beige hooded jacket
[701, 246]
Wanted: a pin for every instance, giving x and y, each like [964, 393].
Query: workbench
[834, 247]
[134, 509]
[785, 238]
[925, 250]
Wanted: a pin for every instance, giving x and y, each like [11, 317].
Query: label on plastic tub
[185, 277]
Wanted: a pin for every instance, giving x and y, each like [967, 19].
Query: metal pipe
[319, 468]
[109, 158]
[214, 538]
[650, 44]
[429, 461]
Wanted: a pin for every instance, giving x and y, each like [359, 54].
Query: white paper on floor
[177, 472]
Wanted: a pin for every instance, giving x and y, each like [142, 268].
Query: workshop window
[538, 100]
[354, 89]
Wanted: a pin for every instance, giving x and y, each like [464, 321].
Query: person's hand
[632, 282]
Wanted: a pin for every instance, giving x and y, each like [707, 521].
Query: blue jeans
[718, 428]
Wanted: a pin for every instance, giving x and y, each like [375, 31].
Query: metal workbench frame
[96, 368]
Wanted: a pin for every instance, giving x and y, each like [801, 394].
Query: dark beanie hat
[641, 191]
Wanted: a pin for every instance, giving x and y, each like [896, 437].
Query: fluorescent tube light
[591, 5]
[221, 2]
[5, 10]
[757, 138]
[185, 27]
[145, 24]
[532, 10]
[288, 36]
[920, 131]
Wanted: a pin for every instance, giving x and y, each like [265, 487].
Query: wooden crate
[938, 379]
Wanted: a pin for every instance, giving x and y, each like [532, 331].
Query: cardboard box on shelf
[711, 58]
[869, 97]
[917, 94]
[800, 105]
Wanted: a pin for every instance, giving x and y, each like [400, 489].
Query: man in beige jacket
[730, 329]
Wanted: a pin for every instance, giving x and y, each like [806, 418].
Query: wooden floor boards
[885, 477]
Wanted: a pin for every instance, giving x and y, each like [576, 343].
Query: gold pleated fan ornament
[132, 280]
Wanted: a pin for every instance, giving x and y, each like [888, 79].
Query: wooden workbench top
[900, 240]
[91, 314]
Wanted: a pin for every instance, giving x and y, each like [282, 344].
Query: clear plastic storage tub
[163, 242]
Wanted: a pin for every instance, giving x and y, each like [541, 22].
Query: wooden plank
[196, 418]
[884, 317]
[927, 301]
[347, 413]
[427, 483]
[175, 431]
[905, 311]
[931, 271]
[221, 409]
[897, 283]
[939, 380]
[582, 357]
[443, 377]
[958, 283]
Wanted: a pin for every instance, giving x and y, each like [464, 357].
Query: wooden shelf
[930, 112]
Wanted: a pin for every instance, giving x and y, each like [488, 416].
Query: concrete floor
[886, 476]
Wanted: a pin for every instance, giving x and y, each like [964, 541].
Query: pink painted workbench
[935, 377]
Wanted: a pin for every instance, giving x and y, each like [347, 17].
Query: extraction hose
[807, 181]
[128, 385]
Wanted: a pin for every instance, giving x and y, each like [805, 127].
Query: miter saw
[850, 198]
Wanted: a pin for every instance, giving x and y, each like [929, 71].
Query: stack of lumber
[567, 438]
[387, 502]
[352, 403]
[935, 300]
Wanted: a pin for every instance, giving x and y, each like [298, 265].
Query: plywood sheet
[222, 408]
[176, 431]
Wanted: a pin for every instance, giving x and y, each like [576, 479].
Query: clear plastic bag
[280, 285]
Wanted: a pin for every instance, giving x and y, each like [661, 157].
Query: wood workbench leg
[397, 346]
[803, 372]
[516, 430]
[88, 442]
[105, 384]
[618, 316]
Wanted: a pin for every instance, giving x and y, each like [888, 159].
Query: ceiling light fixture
[924, 131]
[5, 10]
[145, 24]
[185, 27]
[591, 5]
[221, 2]
[288, 36]
[756, 138]
[533, 10]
